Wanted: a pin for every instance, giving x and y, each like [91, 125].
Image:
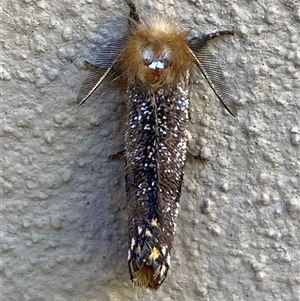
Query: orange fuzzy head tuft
[156, 54]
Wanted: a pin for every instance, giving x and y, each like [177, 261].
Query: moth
[156, 60]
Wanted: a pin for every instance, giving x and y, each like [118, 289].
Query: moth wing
[213, 73]
[104, 66]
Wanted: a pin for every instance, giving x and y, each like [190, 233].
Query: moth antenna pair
[214, 76]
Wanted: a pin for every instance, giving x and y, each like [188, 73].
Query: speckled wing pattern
[156, 138]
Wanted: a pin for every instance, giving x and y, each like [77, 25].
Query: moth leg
[118, 156]
[216, 34]
[191, 156]
[200, 41]
[134, 16]
[91, 66]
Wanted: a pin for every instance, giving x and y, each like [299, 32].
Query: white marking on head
[148, 54]
[157, 65]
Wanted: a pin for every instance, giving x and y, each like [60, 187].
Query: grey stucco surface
[64, 228]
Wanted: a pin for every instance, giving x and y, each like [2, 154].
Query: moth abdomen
[148, 261]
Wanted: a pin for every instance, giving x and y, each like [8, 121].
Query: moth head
[156, 54]
[157, 61]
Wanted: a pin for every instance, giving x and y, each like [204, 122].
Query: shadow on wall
[103, 198]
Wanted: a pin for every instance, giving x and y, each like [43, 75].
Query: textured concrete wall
[64, 234]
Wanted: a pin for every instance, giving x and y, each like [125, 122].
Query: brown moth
[156, 60]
